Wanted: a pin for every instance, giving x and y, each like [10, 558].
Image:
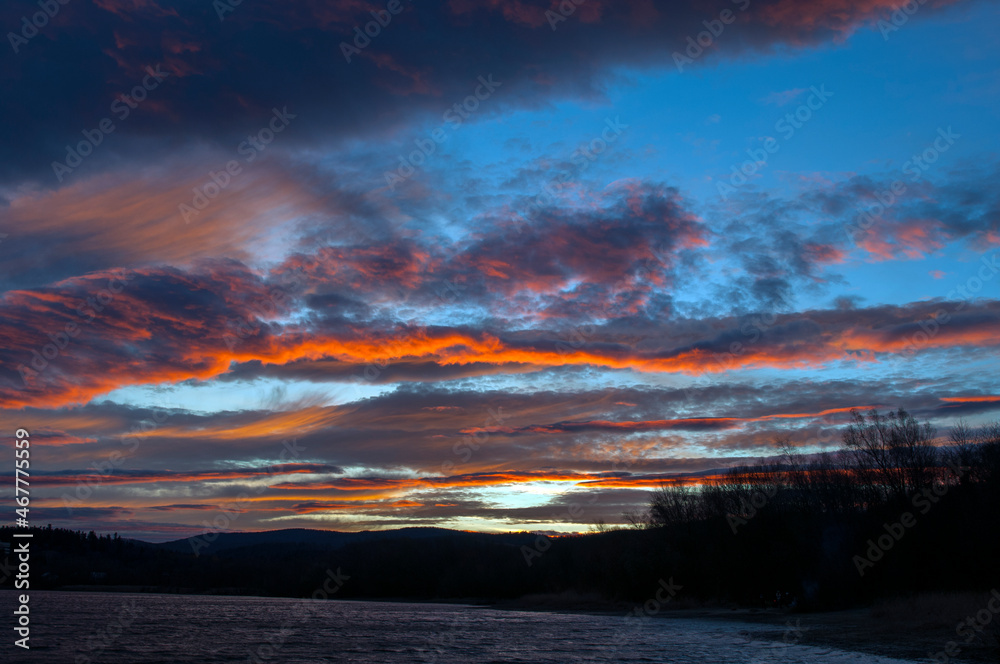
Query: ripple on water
[91, 628]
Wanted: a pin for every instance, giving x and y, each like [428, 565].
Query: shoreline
[917, 628]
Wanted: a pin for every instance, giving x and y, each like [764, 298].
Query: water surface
[119, 628]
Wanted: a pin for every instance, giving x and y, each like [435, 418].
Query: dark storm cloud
[224, 75]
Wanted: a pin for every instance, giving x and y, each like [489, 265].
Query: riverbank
[913, 628]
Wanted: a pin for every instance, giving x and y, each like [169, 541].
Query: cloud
[64, 343]
[134, 219]
[124, 476]
[783, 97]
[102, 52]
[384, 457]
[926, 217]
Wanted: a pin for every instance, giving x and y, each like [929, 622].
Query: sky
[488, 266]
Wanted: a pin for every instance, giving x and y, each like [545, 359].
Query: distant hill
[302, 538]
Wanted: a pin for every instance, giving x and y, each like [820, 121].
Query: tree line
[890, 512]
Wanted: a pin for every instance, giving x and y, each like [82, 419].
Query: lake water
[82, 628]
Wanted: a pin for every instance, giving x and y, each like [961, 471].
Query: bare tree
[637, 519]
[976, 450]
[892, 453]
[671, 504]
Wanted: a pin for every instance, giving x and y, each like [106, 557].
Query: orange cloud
[975, 399]
[111, 220]
[192, 334]
[265, 425]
